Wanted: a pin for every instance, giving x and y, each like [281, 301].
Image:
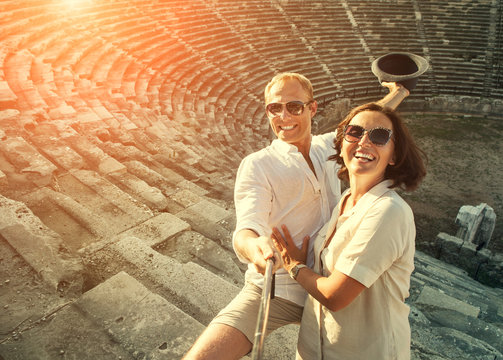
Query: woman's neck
[359, 186]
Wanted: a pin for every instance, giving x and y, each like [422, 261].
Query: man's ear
[313, 107]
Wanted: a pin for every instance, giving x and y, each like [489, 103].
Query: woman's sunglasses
[293, 107]
[378, 136]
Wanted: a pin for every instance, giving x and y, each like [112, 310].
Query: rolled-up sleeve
[378, 242]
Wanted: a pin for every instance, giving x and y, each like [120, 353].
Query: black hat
[401, 67]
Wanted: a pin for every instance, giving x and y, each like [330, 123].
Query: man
[290, 182]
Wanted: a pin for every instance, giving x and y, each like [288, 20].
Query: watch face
[294, 271]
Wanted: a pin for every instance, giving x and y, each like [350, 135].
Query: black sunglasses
[379, 135]
[293, 107]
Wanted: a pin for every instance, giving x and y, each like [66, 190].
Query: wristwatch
[295, 270]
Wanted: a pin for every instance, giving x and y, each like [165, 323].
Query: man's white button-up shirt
[274, 187]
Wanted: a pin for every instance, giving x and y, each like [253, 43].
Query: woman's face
[363, 157]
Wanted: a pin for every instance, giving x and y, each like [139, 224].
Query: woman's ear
[392, 161]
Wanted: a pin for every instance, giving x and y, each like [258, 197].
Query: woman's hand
[395, 87]
[397, 93]
[290, 253]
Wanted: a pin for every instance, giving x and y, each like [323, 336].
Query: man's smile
[289, 127]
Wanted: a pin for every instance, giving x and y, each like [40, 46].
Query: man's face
[292, 129]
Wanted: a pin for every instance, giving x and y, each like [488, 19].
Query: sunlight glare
[75, 3]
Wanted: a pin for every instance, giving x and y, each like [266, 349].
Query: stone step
[154, 232]
[142, 322]
[140, 190]
[62, 155]
[112, 194]
[41, 247]
[64, 333]
[191, 246]
[452, 313]
[455, 283]
[281, 344]
[445, 343]
[86, 209]
[207, 218]
[118, 319]
[101, 161]
[189, 286]
[445, 311]
[28, 160]
[150, 176]
[434, 298]
[65, 206]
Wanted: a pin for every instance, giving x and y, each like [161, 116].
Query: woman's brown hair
[409, 168]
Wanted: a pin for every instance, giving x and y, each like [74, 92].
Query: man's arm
[256, 249]
[253, 201]
[397, 93]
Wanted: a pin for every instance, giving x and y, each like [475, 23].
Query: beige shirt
[374, 244]
[275, 186]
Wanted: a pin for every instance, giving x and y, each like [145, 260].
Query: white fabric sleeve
[252, 199]
[379, 240]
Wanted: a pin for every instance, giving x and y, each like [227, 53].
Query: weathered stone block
[149, 195]
[28, 160]
[449, 247]
[139, 320]
[431, 297]
[41, 247]
[196, 288]
[158, 229]
[476, 224]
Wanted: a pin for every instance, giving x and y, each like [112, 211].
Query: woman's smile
[364, 158]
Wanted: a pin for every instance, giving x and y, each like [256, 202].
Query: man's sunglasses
[293, 107]
[379, 135]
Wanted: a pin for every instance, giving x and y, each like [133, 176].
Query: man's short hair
[283, 77]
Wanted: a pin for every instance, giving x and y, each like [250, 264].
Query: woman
[364, 256]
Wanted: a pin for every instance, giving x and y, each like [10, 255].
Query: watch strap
[295, 270]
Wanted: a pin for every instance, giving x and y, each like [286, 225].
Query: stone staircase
[152, 288]
[149, 291]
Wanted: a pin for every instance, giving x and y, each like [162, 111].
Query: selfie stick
[263, 312]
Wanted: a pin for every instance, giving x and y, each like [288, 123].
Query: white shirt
[275, 186]
[374, 244]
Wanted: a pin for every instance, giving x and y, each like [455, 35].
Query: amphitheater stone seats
[122, 125]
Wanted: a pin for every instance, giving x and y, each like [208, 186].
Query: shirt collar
[370, 196]
[284, 147]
